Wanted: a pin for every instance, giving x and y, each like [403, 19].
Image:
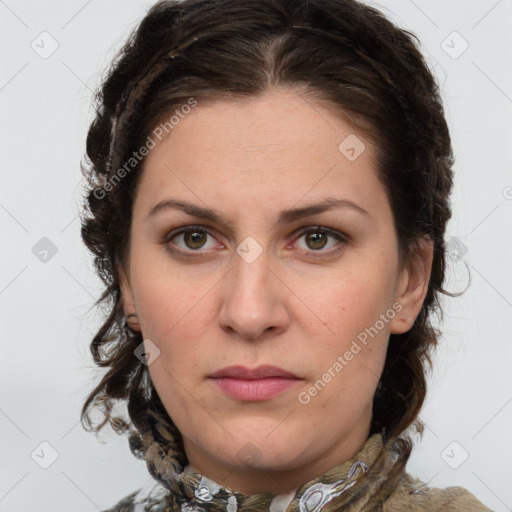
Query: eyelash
[340, 237]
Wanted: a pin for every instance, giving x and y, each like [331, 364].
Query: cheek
[347, 370]
[353, 303]
[172, 312]
[356, 340]
[163, 294]
[175, 323]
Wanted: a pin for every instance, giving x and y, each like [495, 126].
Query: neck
[261, 478]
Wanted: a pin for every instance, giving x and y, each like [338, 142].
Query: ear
[127, 297]
[413, 286]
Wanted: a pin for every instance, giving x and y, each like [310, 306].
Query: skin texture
[299, 305]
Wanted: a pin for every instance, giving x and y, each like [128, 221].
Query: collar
[359, 479]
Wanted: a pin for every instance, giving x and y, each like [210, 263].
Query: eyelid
[341, 237]
[184, 230]
[324, 229]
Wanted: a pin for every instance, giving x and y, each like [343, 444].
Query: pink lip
[260, 372]
[256, 384]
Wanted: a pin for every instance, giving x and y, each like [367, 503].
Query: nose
[254, 300]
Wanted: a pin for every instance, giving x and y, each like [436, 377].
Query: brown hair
[340, 52]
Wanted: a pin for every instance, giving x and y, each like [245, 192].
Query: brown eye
[194, 239]
[316, 240]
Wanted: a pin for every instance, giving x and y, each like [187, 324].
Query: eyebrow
[285, 217]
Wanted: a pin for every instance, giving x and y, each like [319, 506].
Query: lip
[261, 372]
[257, 384]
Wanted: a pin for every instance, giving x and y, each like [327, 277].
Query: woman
[269, 187]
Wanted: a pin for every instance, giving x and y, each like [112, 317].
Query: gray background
[47, 324]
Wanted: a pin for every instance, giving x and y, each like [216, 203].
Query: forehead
[281, 145]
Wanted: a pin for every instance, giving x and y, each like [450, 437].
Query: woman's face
[261, 284]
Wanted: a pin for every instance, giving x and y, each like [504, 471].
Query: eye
[316, 239]
[194, 238]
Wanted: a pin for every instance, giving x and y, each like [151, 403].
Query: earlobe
[413, 286]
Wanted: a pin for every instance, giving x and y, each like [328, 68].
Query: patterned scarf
[374, 480]
[367, 479]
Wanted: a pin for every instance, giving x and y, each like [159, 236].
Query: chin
[265, 449]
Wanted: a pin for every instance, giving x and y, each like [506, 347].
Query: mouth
[261, 383]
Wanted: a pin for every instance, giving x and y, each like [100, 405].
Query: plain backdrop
[52, 56]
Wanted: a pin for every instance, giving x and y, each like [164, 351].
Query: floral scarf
[367, 482]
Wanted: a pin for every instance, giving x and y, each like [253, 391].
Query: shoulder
[455, 499]
[412, 494]
[149, 498]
